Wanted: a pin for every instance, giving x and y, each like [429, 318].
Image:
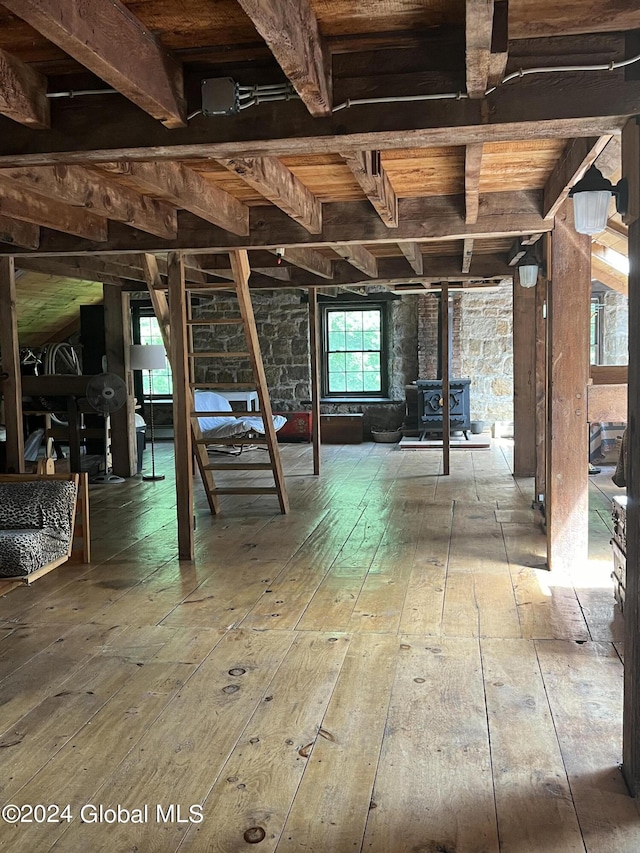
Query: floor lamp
[149, 357]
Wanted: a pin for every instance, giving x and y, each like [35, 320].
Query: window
[148, 332]
[354, 351]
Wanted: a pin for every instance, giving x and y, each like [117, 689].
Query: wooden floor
[386, 669]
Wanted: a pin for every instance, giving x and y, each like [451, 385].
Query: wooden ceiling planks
[47, 304]
[510, 166]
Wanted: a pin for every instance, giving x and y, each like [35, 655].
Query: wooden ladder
[245, 317]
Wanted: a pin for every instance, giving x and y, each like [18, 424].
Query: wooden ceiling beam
[277, 183]
[188, 190]
[290, 29]
[17, 203]
[592, 105]
[544, 18]
[369, 172]
[610, 160]
[434, 219]
[390, 270]
[107, 39]
[413, 254]
[19, 233]
[310, 260]
[87, 189]
[576, 158]
[394, 269]
[23, 92]
[617, 229]
[478, 31]
[358, 257]
[605, 273]
[499, 43]
[212, 262]
[277, 273]
[467, 255]
[472, 169]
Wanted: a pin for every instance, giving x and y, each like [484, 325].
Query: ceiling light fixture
[528, 268]
[591, 197]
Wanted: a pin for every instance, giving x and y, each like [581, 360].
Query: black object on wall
[92, 338]
[94, 349]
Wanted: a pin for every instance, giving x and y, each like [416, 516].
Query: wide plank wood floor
[389, 668]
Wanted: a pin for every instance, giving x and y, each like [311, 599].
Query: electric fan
[106, 393]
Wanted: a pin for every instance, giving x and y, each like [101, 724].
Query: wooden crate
[341, 429]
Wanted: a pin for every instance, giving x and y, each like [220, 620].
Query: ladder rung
[237, 440]
[225, 386]
[225, 321]
[249, 490]
[208, 286]
[219, 355]
[238, 466]
[249, 413]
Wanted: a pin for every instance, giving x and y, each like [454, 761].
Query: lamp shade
[590, 211]
[147, 357]
[528, 274]
[591, 197]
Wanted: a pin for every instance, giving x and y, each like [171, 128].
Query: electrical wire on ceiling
[76, 93]
[522, 72]
[249, 96]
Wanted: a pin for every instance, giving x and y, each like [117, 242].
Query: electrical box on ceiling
[220, 97]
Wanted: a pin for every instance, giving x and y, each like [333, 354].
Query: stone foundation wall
[486, 352]
[615, 329]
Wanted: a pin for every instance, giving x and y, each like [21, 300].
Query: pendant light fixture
[591, 197]
[528, 268]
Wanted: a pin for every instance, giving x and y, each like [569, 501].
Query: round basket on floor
[386, 436]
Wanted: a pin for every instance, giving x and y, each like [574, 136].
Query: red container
[297, 427]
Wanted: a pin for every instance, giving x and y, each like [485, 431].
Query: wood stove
[430, 405]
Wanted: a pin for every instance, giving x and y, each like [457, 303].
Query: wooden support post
[631, 714]
[541, 388]
[11, 386]
[181, 405]
[117, 335]
[75, 449]
[314, 347]
[444, 369]
[567, 506]
[524, 385]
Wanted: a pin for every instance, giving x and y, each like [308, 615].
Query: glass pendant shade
[590, 211]
[528, 274]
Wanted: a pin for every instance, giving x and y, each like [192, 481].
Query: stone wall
[615, 329]
[486, 352]
[283, 331]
